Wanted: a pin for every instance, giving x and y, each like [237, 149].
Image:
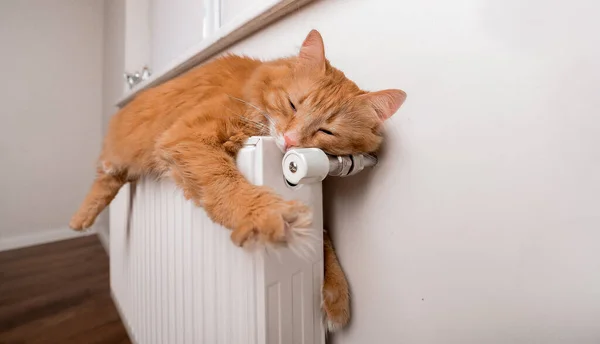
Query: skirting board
[103, 235]
[41, 237]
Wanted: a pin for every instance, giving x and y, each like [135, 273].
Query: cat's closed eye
[325, 131]
[292, 105]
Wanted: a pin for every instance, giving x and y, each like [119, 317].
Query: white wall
[175, 27]
[135, 31]
[50, 117]
[113, 83]
[481, 225]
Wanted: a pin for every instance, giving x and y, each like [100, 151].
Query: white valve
[305, 165]
[312, 165]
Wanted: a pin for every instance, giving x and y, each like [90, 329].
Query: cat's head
[312, 104]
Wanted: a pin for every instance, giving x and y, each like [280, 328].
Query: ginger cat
[191, 128]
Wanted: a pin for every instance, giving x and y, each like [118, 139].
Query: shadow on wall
[350, 190]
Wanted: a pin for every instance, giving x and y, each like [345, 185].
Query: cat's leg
[336, 296]
[208, 174]
[188, 193]
[102, 192]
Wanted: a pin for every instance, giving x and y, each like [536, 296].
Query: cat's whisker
[261, 126]
[256, 124]
[262, 112]
[269, 118]
[261, 131]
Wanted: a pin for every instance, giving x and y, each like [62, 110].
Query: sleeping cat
[191, 128]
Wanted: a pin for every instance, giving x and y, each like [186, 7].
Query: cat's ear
[385, 102]
[312, 53]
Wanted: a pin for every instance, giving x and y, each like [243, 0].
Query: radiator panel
[177, 277]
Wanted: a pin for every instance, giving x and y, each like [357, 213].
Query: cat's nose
[289, 141]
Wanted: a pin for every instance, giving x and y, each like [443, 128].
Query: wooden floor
[58, 293]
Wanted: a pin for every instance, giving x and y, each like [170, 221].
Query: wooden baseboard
[103, 235]
[41, 237]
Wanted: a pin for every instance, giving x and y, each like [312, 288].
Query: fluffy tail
[103, 191]
[336, 294]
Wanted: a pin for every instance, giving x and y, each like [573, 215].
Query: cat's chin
[279, 140]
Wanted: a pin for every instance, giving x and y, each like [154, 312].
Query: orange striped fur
[191, 128]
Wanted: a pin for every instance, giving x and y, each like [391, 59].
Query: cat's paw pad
[336, 306]
[277, 223]
[80, 222]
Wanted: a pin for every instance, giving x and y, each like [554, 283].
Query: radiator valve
[312, 165]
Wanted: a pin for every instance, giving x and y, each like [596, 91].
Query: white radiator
[177, 277]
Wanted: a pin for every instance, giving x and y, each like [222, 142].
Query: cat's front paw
[336, 304]
[81, 221]
[279, 222]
